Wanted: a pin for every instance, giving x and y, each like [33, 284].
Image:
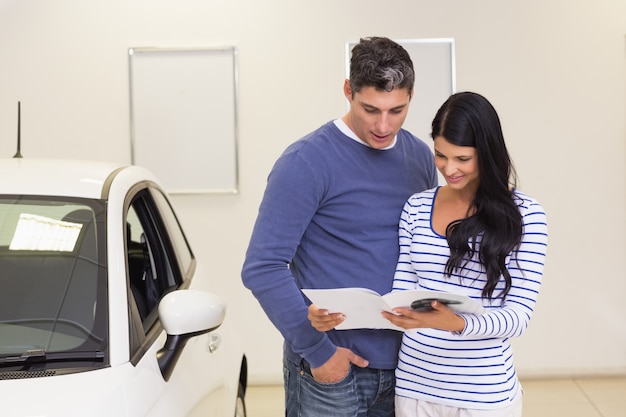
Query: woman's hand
[441, 317]
[322, 320]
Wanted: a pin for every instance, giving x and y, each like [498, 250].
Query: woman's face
[457, 164]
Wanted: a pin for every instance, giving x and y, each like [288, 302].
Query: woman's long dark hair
[468, 119]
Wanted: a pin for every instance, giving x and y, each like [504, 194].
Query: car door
[160, 261]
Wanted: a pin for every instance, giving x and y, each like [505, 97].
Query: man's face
[376, 116]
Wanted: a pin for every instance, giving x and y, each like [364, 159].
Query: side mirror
[185, 314]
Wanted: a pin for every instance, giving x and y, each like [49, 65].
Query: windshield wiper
[40, 356]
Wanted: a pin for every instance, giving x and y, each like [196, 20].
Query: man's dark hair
[381, 63]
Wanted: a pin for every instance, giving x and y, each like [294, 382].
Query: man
[329, 218]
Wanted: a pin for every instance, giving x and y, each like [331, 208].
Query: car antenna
[18, 154]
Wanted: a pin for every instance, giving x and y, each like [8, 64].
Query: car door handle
[215, 340]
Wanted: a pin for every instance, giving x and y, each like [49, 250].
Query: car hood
[93, 393]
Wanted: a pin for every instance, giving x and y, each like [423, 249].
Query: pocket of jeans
[346, 380]
[335, 399]
[330, 397]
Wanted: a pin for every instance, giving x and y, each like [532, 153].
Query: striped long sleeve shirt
[474, 368]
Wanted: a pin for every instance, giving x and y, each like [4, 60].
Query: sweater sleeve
[526, 268]
[291, 198]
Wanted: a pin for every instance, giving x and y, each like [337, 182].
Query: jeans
[364, 392]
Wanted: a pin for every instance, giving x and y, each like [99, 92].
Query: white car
[104, 309]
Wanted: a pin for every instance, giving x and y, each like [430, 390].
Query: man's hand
[336, 368]
[322, 320]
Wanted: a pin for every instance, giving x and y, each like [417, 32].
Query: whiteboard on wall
[183, 112]
[435, 80]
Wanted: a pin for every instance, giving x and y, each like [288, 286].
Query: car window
[53, 275]
[179, 242]
[152, 267]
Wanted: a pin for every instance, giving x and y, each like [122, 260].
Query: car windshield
[52, 275]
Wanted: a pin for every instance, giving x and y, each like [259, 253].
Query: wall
[555, 70]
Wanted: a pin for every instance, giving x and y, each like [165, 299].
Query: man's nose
[382, 124]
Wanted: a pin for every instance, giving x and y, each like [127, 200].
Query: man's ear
[347, 90]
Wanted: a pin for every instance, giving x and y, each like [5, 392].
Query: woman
[477, 236]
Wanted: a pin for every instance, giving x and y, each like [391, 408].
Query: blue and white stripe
[474, 368]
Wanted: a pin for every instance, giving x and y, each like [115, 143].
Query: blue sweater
[329, 218]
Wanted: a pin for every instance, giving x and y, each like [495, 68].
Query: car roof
[62, 177]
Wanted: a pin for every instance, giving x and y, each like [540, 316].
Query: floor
[579, 397]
